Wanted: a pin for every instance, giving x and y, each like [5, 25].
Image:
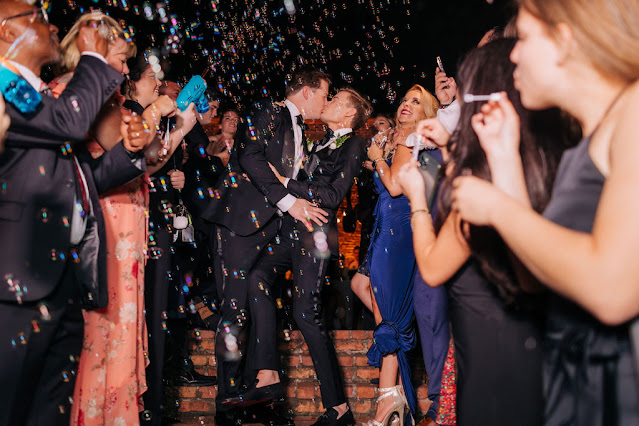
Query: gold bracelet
[413, 213]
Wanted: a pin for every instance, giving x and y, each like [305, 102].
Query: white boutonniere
[339, 141]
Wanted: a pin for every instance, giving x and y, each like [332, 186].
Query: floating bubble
[74, 102]
[44, 312]
[146, 415]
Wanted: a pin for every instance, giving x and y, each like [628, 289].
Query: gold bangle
[415, 212]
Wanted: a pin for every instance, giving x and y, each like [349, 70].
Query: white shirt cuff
[286, 203]
[286, 182]
[95, 55]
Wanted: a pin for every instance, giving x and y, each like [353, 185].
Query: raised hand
[90, 39]
[186, 119]
[375, 152]
[445, 87]
[411, 181]
[497, 127]
[134, 132]
[434, 131]
[165, 105]
[306, 212]
[475, 199]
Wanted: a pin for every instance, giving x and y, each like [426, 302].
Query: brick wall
[302, 387]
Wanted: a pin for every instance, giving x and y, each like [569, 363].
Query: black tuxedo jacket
[201, 172]
[333, 174]
[39, 187]
[244, 205]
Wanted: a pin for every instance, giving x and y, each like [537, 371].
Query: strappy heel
[395, 417]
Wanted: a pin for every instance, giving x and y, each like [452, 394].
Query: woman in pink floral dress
[111, 375]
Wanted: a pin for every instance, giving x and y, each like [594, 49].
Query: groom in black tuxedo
[248, 208]
[53, 255]
[328, 175]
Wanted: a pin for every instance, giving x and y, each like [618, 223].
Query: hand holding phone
[440, 65]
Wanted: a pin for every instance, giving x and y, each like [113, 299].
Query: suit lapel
[288, 145]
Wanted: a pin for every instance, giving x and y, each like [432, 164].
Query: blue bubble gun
[17, 91]
[193, 92]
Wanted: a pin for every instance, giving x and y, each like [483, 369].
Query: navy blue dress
[391, 261]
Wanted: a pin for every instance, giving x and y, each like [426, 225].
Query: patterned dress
[111, 375]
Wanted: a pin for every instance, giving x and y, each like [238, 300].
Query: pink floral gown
[111, 374]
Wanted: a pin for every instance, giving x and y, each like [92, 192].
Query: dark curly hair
[137, 65]
[486, 70]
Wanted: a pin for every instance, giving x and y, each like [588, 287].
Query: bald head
[26, 36]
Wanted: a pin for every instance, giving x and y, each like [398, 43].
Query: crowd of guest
[491, 212]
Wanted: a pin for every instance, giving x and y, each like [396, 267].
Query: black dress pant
[233, 261]
[158, 272]
[293, 249]
[40, 343]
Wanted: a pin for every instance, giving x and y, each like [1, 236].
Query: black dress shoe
[193, 378]
[254, 395]
[330, 418]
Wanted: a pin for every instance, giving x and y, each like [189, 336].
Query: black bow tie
[327, 137]
[300, 122]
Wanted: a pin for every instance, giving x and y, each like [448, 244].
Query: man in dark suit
[247, 206]
[333, 165]
[53, 254]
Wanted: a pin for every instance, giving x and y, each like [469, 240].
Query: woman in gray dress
[584, 247]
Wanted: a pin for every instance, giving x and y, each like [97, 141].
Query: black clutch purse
[429, 167]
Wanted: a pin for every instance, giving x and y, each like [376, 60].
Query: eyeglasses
[37, 14]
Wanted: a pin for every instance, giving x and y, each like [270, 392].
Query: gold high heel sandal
[395, 417]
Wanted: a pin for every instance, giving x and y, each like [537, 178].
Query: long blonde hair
[430, 104]
[71, 54]
[607, 31]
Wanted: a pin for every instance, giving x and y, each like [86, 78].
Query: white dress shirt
[287, 202]
[449, 116]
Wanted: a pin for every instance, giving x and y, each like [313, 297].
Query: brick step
[302, 387]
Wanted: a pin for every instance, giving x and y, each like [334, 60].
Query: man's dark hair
[361, 104]
[312, 79]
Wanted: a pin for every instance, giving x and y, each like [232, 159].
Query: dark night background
[247, 48]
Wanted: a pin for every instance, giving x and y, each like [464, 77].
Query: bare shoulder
[624, 135]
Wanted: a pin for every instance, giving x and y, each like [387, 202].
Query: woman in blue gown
[392, 263]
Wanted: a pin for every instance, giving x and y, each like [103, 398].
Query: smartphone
[440, 65]
[430, 168]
